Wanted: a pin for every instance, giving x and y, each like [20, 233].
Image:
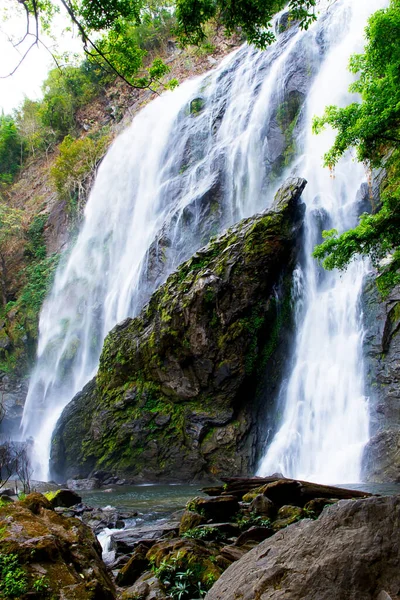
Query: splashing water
[193, 162]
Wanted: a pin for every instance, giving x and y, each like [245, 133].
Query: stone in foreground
[350, 553]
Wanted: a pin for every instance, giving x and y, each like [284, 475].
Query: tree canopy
[372, 128]
[113, 21]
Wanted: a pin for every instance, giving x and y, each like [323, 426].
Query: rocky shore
[263, 537]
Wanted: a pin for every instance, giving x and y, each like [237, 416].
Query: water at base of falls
[178, 176]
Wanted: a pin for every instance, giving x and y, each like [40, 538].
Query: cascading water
[325, 421]
[193, 162]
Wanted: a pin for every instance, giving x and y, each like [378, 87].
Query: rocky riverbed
[268, 538]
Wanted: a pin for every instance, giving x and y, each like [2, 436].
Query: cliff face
[382, 348]
[176, 394]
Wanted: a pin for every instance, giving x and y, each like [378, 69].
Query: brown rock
[261, 505]
[350, 553]
[286, 516]
[254, 534]
[64, 550]
[35, 502]
[190, 520]
[217, 508]
[315, 507]
[134, 567]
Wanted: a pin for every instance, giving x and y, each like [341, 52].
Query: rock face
[176, 393]
[381, 460]
[61, 553]
[350, 552]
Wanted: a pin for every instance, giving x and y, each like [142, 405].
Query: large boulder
[381, 461]
[60, 557]
[179, 394]
[351, 552]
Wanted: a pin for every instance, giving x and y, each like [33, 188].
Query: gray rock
[125, 541]
[84, 484]
[350, 553]
[381, 461]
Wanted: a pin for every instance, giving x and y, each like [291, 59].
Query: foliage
[76, 162]
[10, 230]
[65, 90]
[182, 579]
[204, 533]
[251, 519]
[12, 149]
[13, 580]
[40, 585]
[372, 128]
[252, 16]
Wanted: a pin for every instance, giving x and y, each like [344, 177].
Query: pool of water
[153, 500]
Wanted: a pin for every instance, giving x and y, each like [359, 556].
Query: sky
[28, 78]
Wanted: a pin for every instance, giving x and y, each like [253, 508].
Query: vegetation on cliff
[372, 128]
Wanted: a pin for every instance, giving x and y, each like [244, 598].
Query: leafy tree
[252, 16]
[372, 127]
[11, 149]
[75, 163]
[114, 17]
[30, 126]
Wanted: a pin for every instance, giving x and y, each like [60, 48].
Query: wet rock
[126, 540]
[315, 507]
[84, 484]
[357, 549]
[189, 355]
[13, 391]
[35, 502]
[136, 565]
[298, 493]
[254, 534]
[147, 587]
[64, 498]
[187, 552]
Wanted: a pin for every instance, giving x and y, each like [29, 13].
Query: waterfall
[193, 162]
[325, 416]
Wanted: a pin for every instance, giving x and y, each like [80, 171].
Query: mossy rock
[176, 394]
[286, 516]
[190, 519]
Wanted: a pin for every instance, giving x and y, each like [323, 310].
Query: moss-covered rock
[286, 516]
[176, 395]
[190, 519]
[59, 557]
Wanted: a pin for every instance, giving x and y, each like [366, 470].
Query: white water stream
[177, 177]
[325, 422]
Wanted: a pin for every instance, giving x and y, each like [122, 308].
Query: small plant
[181, 579]
[251, 520]
[41, 584]
[206, 533]
[13, 580]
